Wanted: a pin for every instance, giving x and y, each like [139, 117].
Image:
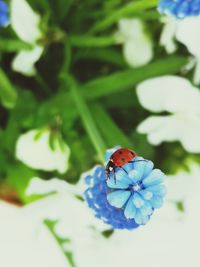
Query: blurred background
[78, 78]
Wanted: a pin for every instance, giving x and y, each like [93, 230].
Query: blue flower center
[136, 187]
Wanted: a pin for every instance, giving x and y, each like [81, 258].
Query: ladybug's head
[110, 167]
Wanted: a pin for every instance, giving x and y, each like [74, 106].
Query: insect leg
[132, 161]
[123, 169]
[115, 176]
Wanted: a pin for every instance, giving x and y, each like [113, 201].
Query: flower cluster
[130, 201]
[3, 13]
[180, 8]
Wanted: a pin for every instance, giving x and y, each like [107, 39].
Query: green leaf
[60, 8]
[126, 10]
[106, 55]
[8, 94]
[13, 45]
[88, 120]
[61, 241]
[124, 80]
[108, 128]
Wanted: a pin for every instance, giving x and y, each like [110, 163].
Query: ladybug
[118, 159]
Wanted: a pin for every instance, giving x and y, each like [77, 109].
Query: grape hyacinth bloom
[3, 13]
[180, 8]
[130, 201]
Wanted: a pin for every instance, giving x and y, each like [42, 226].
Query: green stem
[128, 9]
[88, 120]
[42, 83]
[92, 41]
[67, 57]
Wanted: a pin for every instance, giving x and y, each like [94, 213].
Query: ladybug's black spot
[123, 159]
[120, 152]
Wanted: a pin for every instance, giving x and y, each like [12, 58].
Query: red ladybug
[119, 158]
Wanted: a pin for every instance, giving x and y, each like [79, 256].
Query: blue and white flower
[180, 8]
[4, 17]
[130, 201]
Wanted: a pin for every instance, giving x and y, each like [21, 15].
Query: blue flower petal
[180, 8]
[116, 185]
[122, 177]
[148, 168]
[4, 18]
[146, 194]
[138, 201]
[130, 209]
[155, 177]
[146, 209]
[156, 202]
[118, 198]
[183, 9]
[140, 218]
[139, 166]
[159, 189]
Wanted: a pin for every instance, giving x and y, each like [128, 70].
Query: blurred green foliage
[83, 80]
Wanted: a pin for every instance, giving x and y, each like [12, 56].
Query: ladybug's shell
[122, 156]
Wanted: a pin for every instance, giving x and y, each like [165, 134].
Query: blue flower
[4, 18]
[180, 8]
[130, 201]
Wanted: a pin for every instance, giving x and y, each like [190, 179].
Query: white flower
[25, 22]
[187, 32]
[33, 149]
[74, 220]
[177, 96]
[24, 61]
[90, 248]
[63, 206]
[23, 243]
[137, 46]
[184, 185]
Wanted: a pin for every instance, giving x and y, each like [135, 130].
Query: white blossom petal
[169, 93]
[131, 29]
[167, 38]
[137, 46]
[190, 133]
[39, 155]
[25, 60]
[38, 186]
[179, 127]
[25, 21]
[188, 33]
[138, 52]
